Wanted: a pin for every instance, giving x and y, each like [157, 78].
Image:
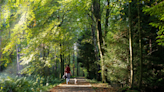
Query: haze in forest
[117, 42]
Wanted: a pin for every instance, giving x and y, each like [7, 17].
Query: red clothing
[67, 69]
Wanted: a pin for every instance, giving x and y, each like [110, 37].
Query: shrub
[9, 83]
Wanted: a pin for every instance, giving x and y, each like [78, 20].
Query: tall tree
[130, 46]
[69, 58]
[93, 26]
[106, 26]
[61, 61]
[77, 62]
[140, 43]
[97, 15]
[19, 67]
[1, 25]
[73, 61]
[0, 51]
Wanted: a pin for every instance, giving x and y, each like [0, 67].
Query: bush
[18, 85]
[127, 89]
[10, 83]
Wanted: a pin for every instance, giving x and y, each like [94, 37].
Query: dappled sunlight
[102, 45]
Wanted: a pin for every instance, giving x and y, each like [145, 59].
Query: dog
[75, 80]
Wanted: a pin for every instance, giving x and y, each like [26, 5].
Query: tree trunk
[99, 40]
[56, 68]
[88, 75]
[69, 59]
[130, 47]
[62, 63]
[0, 39]
[73, 63]
[0, 52]
[77, 67]
[48, 69]
[140, 44]
[56, 64]
[19, 67]
[106, 26]
[61, 59]
[44, 55]
[98, 75]
[106, 21]
[150, 46]
[97, 14]
[59, 69]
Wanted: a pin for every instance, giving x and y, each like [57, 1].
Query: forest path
[81, 86]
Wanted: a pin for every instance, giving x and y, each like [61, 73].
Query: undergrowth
[11, 83]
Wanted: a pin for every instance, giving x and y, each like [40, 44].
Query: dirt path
[81, 86]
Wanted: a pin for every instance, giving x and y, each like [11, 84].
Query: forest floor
[82, 86]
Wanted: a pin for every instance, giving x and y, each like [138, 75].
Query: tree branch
[152, 52]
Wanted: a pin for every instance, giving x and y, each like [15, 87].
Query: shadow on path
[81, 86]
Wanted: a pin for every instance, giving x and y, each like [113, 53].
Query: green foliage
[26, 84]
[158, 12]
[116, 60]
[86, 54]
[36, 25]
[127, 89]
[46, 29]
[18, 85]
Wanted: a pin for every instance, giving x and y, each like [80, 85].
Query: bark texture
[97, 15]
[130, 47]
[106, 27]
[93, 26]
[140, 44]
[62, 62]
[19, 67]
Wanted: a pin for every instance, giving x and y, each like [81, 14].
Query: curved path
[81, 86]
